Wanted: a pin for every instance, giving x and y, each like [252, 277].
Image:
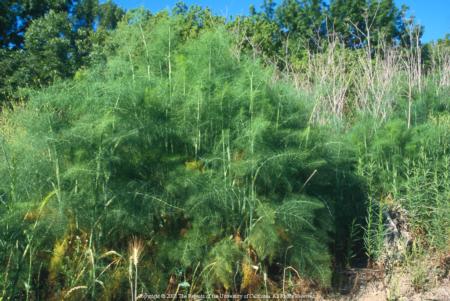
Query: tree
[303, 19]
[268, 8]
[50, 50]
[85, 13]
[194, 19]
[16, 16]
[110, 14]
[347, 20]
[357, 21]
[385, 21]
[258, 34]
[45, 40]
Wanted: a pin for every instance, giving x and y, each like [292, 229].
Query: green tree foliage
[302, 20]
[45, 41]
[17, 15]
[49, 48]
[109, 14]
[361, 21]
[348, 19]
[257, 34]
[85, 13]
[194, 19]
[286, 33]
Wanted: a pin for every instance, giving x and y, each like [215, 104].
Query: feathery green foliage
[183, 144]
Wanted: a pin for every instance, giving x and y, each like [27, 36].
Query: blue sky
[433, 14]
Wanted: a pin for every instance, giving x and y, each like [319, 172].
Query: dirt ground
[400, 286]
